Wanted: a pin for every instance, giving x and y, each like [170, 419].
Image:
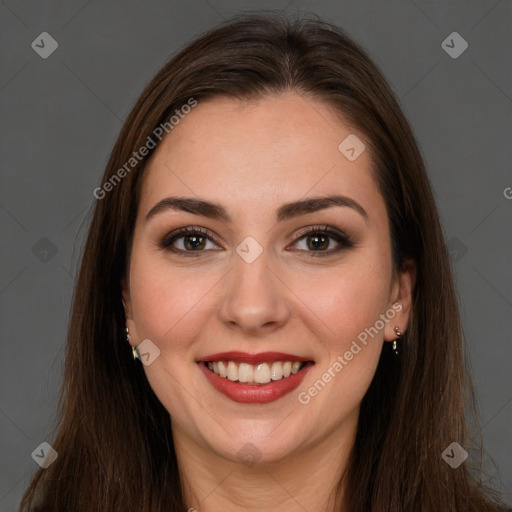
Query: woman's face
[257, 283]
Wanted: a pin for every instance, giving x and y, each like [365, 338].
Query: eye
[317, 241]
[188, 240]
[192, 241]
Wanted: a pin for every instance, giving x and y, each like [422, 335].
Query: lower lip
[255, 394]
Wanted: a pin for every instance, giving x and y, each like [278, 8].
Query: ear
[401, 300]
[128, 312]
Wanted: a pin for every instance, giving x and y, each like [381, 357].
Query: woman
[265, 316]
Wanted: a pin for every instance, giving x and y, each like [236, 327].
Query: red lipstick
[254, 393]
[245, 357]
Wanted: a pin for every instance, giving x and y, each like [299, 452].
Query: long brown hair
[114, 442]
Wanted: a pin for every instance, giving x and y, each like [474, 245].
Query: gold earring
[135, 352]
[395, 342]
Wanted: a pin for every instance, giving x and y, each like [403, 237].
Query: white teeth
[245, 373]
[222, 369]
[276, 372]
[262, 373]
[232, 372]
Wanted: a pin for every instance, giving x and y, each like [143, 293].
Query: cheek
[170, 302]
[349, 302]
[160, 300]
[350, 298]
[168, 307]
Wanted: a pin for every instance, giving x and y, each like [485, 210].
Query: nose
[254, 298]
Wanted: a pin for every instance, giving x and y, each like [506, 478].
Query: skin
[251, 157]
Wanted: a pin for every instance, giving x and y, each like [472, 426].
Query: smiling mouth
[255, 374]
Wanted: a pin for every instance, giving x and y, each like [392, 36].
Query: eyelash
[342, 239]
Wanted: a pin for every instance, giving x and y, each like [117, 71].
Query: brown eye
[194, 242]
[319, 241]
[188, 240]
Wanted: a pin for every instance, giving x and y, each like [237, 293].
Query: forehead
[254, 154]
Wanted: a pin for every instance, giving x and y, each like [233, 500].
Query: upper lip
[246, 357]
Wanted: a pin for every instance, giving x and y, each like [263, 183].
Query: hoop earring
[395, 342]
[135, 352]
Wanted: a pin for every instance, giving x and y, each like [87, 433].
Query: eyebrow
[285, 212]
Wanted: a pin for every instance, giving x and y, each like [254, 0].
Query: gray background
[60, 117]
